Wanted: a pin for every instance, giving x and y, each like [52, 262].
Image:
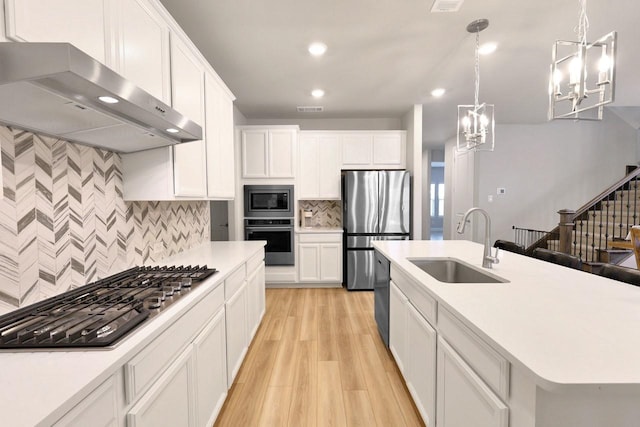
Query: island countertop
[565, 327]
[38, 387]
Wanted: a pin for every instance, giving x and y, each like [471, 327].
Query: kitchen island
[550, 347]
[174, 367]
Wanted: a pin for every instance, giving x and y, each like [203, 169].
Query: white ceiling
[386, 55]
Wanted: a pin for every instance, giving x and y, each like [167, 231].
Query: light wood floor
[317, 360]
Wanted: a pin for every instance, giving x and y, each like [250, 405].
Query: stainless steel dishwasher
[381, 295]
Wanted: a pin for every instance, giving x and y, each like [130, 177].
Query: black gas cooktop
[100, 313]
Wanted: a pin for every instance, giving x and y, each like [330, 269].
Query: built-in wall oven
[268, 211]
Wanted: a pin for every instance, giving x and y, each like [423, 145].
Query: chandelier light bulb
[575, 67]
[605, 63]
[484, 120]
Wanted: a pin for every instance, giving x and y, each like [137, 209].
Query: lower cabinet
[412, 341]
[255, 300]
[460, 387]
[320, 257]
[237, 335]
[100, 408]
[210, 358]
[171, 399]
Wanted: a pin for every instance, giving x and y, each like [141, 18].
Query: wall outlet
[501, 190]
[490, 198]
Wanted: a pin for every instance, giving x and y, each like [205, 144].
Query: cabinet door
[281, 153]
[99, 408]
[236, 319]
[170, 401]
[309, 262]
[255, 300]
[219, 141]
[254, 153]
[388, 150]
[329, 162]
[79, 22]
[308, 167]
[459, 387]
[143, 48]
[398, 326]
[331, 262]
[187, 77]
[421, 364]
[356, 151]
[210, 355]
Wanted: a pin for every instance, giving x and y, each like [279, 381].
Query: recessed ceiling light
[108, 99]
[173, 130]
[317, 93]
[487, 48]
[438, 92]
[317, 49]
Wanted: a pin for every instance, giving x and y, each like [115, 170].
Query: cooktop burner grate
[102, 312]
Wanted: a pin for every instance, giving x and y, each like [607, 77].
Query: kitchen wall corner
[64, 223]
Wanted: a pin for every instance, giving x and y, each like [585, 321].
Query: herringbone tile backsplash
[64, 223]
[326, 213]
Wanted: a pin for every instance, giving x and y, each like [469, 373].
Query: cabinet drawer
[320, 237]
[485, 361]
[141, 371]
[255, 261]
[234, 281]
[417, 294]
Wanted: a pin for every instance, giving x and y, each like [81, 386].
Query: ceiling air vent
[310, 109]
[446, 5]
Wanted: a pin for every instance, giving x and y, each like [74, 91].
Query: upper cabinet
[269, 152]
[374, 150]
[83, 23]
[187, 94]
[142, 53]
[319, 162]
[219, 140]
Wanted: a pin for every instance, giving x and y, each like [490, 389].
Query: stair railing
[608, 216]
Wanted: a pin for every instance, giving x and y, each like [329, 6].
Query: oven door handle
[268, 228]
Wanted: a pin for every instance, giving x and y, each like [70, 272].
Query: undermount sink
[451, 270]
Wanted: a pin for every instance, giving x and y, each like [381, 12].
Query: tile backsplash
[64, 223]
[326, 213]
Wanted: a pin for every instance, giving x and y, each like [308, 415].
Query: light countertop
[564, 327]
[303, 230]
[38, 387]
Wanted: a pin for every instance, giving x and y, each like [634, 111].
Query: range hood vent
[55, 89]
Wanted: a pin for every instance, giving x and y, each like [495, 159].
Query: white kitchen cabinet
[412, 341]
[99, 408]
[237, 334]
[219, 141]
[187, 94]
[460, 387]
[83, 23]
[210, 358]
[319, 164]
[269, 152]
[374, 150]
[171, 399]
[143, 47]
[320, 257]
[255, 300]
[398, 326]
[421, 363]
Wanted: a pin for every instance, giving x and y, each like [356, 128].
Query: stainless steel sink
[451, 270]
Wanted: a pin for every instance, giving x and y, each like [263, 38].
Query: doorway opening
[437, 200]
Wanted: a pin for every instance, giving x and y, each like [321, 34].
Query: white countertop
[564, 327]
[38, 387]
[303, 230]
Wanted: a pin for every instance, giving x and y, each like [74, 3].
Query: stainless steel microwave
[268, 201]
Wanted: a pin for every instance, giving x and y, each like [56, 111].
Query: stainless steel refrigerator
[376, 206]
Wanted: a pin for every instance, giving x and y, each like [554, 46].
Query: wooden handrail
[600, 197]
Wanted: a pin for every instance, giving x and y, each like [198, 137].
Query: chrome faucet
[487, 259]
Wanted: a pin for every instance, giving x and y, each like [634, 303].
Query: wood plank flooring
[317, 360]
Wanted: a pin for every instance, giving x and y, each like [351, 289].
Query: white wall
[412, 123]
[334, 124]
[545, 168]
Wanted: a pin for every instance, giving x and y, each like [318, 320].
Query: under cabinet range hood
[56, 89]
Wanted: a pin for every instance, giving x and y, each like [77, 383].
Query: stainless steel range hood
[55, 89]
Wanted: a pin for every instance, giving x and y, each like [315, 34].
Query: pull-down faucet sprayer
[487, 259]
